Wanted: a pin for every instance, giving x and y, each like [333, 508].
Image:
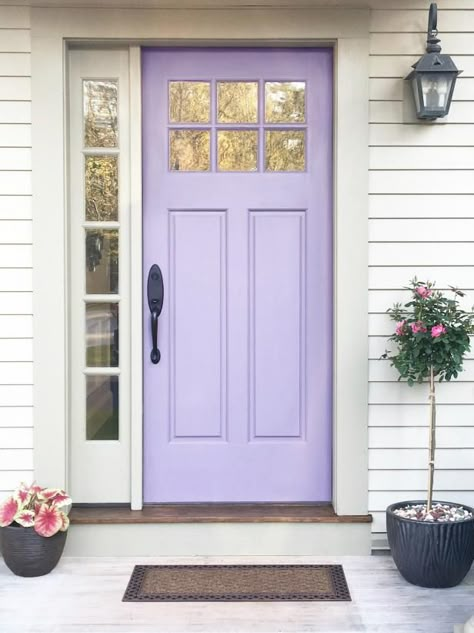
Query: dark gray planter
[27, 553]
[431, 554]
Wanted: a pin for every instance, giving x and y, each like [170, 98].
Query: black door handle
[155, 293]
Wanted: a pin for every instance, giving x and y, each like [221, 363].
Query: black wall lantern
[433, 76]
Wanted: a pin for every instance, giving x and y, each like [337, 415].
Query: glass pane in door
[102, 335]
[102, 407]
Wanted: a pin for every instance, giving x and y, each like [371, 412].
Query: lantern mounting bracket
[432, 41]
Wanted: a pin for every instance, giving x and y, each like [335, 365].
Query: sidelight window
[98, 279]
[101, 230]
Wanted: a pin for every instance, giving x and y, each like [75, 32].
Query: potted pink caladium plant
[431, 541]
[34, 522]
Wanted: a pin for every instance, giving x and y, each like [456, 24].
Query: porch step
[213, 513]
[217, 530]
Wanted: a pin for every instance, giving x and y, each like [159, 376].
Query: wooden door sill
[213, 513]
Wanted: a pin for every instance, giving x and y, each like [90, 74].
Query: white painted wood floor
[83, 595]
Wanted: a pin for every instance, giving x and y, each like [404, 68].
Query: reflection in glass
[189, 101]
[100, 113]
[101, 188]
[102, 335]
[237, 150]
[102, 261]
[102, 407]
[284, 101]
[284, 150]
[190, 150]
[237, 101]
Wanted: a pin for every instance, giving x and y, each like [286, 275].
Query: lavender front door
[237, 148]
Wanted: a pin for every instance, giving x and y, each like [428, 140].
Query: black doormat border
[340, 589]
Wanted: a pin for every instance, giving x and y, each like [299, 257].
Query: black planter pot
[430, 554]
[27, 553]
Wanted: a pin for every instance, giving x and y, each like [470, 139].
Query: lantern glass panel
[436, 88]
[416, 93]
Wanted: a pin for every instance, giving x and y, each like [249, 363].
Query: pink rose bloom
[418, 327]
[437, 330]
[423, 291]
[400, 329]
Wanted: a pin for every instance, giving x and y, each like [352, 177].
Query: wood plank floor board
[83, 595]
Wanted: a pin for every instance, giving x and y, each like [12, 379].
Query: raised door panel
[198, 324]
[277, 323]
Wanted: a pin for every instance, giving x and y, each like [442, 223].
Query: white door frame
[52, 31]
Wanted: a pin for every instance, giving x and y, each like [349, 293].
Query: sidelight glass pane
[102, 335]
[100, 113]
[189, 101]
[190, 150]
[285, 101]
[285, 150]
[102, 261]
[237, 101]
[101, 187]
[237, 150]
[102, 407]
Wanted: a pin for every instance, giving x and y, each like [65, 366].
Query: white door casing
[53, 392]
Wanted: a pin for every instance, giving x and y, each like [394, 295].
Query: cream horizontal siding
[15, 134]
[393, 278]
[414, 158]
[15, 64]
[16, 279]
[16, 326]
[17, 158]
[420, 205]
[415, 415]
[15, 111]
[15, 207]
[421, 222]
[12, 350]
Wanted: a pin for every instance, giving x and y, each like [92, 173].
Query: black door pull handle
[155, 293]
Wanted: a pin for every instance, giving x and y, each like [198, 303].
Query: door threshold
[213, 513]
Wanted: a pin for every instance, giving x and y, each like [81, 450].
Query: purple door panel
[238, 215]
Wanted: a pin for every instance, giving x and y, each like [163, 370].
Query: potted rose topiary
[432, 542]
[34, 526]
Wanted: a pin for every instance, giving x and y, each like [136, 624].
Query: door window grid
[280, 127]
[101, 238]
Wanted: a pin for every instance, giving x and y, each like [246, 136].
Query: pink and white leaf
[48, 521]
[22, 494]
[45, 494]
[54, 495]
[65, 522]
[8, 511]
[25, 518]
[61, 499]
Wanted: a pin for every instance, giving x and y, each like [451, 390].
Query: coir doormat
[230, 583]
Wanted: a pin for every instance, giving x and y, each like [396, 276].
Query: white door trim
[51, 29]
[136, 283]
